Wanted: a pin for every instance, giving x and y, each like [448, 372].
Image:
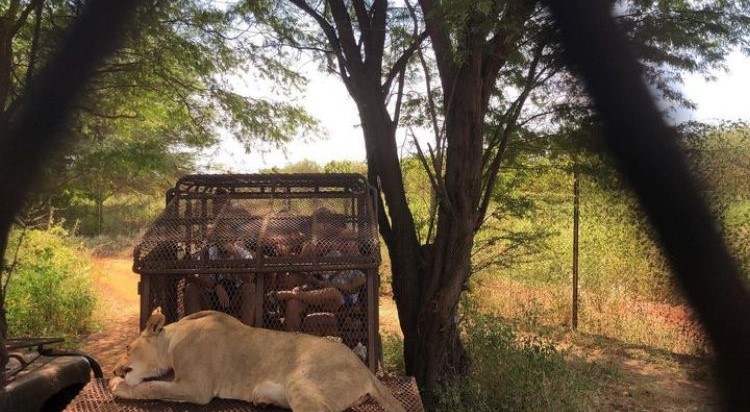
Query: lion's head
[142, 360]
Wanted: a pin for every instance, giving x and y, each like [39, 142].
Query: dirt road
[117, 315]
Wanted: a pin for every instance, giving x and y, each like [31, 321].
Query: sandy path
[118, 311]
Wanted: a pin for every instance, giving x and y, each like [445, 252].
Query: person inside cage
[329, 233]
[233, 293]
[327, 291]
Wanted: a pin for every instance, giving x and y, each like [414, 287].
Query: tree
[499, 73]
[360, 63]
[166, 90]
[173, 82]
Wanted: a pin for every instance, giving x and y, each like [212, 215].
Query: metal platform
[96, 397]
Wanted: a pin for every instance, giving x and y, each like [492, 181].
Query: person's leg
[321, 324]
[293, 316]
[192, 298]
[327, 299]
[223, 290]
[246, 296]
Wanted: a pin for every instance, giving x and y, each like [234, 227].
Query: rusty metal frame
[190, 213]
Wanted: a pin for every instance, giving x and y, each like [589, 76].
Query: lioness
[214, 355]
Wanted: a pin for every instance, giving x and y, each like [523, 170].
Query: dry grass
[611, 313]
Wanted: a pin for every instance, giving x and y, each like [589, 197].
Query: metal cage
[296, 252]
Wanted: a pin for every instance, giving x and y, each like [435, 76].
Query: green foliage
[127, 215]
[151, 107]
[720, 156]
[345, 166]
[50, 291]
[311, 166]
[420, 196]
[514, 372]
[302, 166]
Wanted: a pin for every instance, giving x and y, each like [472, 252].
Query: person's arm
[353, 283]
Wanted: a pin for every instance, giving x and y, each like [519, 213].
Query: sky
[725, 98]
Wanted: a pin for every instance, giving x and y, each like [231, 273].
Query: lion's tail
[384, 397]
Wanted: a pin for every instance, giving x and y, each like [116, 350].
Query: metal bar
[372, 319]
[144, 289]
[260, 295]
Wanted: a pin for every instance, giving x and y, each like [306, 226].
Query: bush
[509, 372]
[393, 354]
[516, 373]
[50, 292]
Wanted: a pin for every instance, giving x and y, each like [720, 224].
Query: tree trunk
[443, 353]
[99, 216]
[428, 280]
[576, 218]
[397, 226]
[6, 62]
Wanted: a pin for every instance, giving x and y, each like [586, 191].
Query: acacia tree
[165, 90]
[164, 95]
[354, 42]
[497, 62]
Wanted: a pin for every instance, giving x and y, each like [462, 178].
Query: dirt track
[118, 311]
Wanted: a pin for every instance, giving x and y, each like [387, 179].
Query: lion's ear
[155, 323]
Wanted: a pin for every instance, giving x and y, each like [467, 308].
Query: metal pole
[576, 200]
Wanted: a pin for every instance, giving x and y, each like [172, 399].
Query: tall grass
[625, 286]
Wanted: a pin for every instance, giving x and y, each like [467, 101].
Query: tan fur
[215, 355]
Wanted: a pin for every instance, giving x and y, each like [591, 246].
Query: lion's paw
[118, 386]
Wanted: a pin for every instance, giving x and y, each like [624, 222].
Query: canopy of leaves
[174, 86]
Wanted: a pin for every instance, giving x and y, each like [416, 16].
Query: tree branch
[400, 64]
[34, 4]
[441, 44]
[399, 99]
[502, 41]
[34, 48]
[491, 170]
[330, 33]
[9, 270]
[346, 36]
[375, 41]
[105, 115]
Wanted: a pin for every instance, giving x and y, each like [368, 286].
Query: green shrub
[516, 373]
[510, 372]
[50, 292]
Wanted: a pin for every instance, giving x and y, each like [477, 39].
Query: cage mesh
[262, 223]
[96, 397]
[287, 252]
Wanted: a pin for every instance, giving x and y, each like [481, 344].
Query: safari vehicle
[249, 235]
[41, 378]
